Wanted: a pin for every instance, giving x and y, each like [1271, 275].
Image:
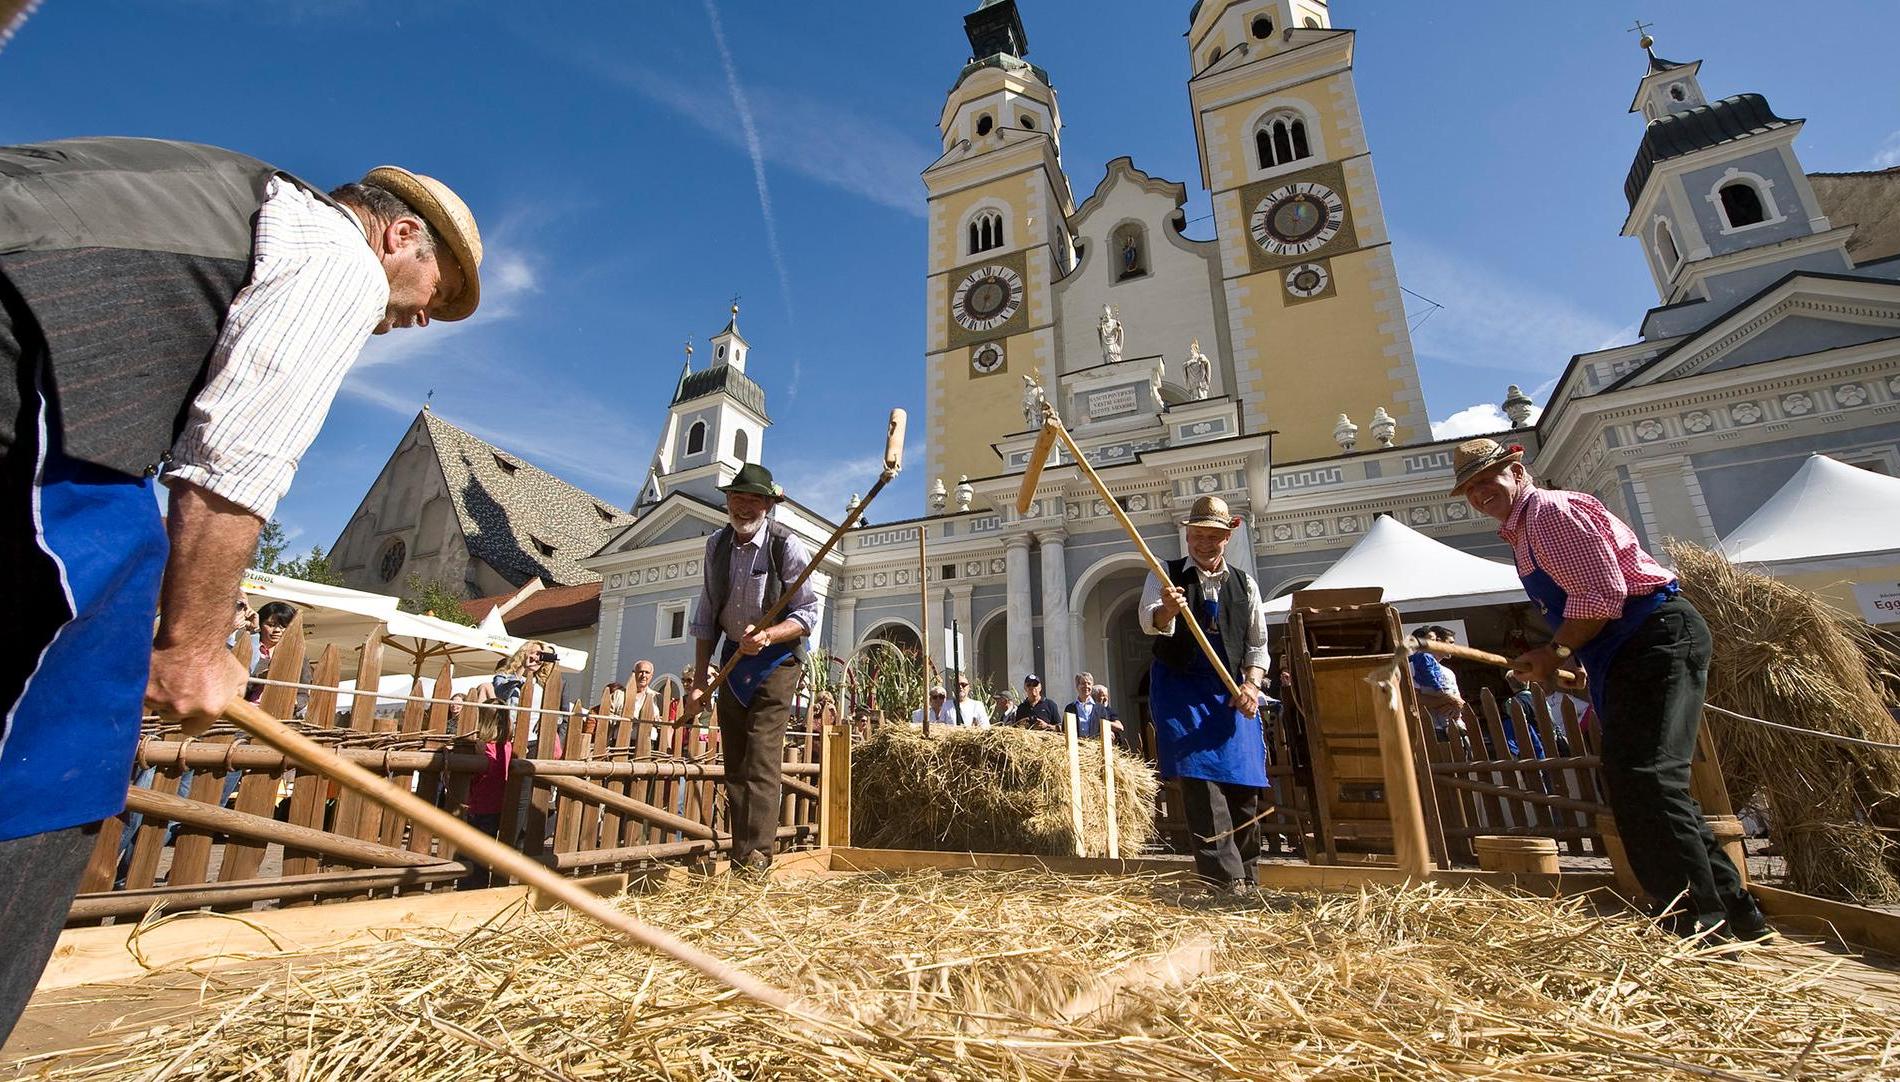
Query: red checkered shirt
[1591, 553]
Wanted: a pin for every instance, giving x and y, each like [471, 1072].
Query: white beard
[743, 534]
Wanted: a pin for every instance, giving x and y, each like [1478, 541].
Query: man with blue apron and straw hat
[1214, 747]
[748, 563]
[1646, 651]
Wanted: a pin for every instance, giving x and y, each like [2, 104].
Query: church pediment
[1168, 194]
[1801, 315]
[677, 517]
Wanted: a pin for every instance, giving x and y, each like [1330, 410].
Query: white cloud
[816, 138]
[824, 484]
[1888, 155]
[1490, 319]
[509, 277]
[1483, 419]
[755, 151]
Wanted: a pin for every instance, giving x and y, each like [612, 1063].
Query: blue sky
[634, 165]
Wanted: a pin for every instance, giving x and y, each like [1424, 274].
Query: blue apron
[1596, 654]
[744, 680]
[1198, 735]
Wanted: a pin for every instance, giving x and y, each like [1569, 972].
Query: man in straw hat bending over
[748, 564]
[1213, 746]
[1646, 649]
[176, 307]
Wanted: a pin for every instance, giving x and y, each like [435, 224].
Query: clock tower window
[986, 232]
[739, 445]
[696, 438]
[1741, 204]
[1262, 27]
[1281, 138]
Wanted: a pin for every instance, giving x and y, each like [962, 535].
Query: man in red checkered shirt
[1617, 611]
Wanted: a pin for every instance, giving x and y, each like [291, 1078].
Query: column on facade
[1020, 618]
[960, 615]
[1671, 501]
[1055, 613]
[606, 660]
[844, 625]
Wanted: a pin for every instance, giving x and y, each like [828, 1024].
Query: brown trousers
[753, 745]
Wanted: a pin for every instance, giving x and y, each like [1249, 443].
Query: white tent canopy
[1827, 509]
[412, 644]
[1416, 573]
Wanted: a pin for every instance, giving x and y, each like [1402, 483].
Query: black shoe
[1746, 922]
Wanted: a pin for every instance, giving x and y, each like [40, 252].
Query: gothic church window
[986, 232]
[1280, 139]
[696, 438]
[1741, 205]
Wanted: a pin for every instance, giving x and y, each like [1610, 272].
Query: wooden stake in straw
[1108, 784]
[893, 462]
[480, 847]
[1052, 432]
[923, 618]
[1075, 781]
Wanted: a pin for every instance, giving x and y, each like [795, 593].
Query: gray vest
[1179, 650]
[127, 254]
[719, 571]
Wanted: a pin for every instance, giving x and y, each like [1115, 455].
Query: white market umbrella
[1827, 509]
[412, 643]
[1415, 571]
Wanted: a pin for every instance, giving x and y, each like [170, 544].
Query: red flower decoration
[1516, 448]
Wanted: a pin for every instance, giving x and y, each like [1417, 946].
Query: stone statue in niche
[1198, 371]
[1032, 403]
[1130, 246]
[1110, 332]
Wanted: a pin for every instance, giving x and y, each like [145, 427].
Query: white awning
[1827, 509]
[412, 643]
[1416, 572]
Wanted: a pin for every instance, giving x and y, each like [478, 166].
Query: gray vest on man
[719, 570]
[126, 254]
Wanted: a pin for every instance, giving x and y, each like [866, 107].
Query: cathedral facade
[1270, 364]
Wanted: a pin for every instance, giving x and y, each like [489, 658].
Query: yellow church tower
[998, 202]
[1313, 304]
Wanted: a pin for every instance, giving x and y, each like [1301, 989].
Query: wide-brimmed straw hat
[755, 479]
[1211, 511]
[1473, 459]
[453, 224]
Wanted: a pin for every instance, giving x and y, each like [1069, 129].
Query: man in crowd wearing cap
[749, 564]
[1646, 649]
[176, 308]
[1215, 747]
[1035, 711]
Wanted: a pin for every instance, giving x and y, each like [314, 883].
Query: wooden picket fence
[627, 790]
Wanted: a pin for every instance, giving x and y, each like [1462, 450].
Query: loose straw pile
[1783, 655]
[1028, 976]
[995, 790]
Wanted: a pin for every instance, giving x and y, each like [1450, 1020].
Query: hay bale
[995, 790]
[1783, 655]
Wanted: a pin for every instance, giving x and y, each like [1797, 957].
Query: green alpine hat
[755, 479]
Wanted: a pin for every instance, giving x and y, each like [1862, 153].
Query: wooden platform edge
[201, 941]
[1806, 914]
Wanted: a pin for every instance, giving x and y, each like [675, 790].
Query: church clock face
[987, 298]
[1297, 218]
[1308, 280]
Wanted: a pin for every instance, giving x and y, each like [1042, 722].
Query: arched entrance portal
[1110, 643]
[898, 634]
[992, 653]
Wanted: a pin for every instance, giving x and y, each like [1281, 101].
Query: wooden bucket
[1514, 853]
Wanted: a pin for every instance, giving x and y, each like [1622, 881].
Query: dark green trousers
[1652, 707]
[39, 874]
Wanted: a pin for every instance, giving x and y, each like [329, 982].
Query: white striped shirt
[315, 295]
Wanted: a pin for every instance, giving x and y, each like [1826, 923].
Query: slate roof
[718, 378]
[1696, 129]
[516, 517]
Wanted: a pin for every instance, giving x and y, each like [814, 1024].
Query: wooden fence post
[834, 801]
